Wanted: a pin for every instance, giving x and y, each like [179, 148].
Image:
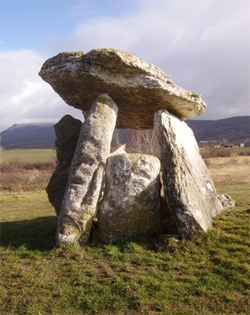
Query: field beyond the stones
[208, 275]
[30, 156]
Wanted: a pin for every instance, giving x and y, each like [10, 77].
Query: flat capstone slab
[137, 87]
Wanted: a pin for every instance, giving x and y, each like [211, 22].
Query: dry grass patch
[229, 169]
[20, 175]
[24, 180]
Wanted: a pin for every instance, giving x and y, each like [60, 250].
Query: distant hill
[28, 136]
[234, 129]
[42, 136]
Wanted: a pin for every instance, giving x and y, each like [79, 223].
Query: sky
[203, 45]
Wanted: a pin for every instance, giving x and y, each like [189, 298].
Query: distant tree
[135, 141]
[151, 143]
[143, 142]
[212, 147]
[224, 142]
[116, 136]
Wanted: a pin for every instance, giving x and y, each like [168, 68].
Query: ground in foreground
[209, 275]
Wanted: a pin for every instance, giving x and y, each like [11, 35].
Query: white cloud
[25, 97]
[202, 45]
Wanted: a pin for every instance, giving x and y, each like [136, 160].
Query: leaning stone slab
[139, 88]
[188, 187]
[131, 203]
[67, 132]
[82, 193]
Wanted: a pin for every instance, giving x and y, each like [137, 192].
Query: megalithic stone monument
[104, 78]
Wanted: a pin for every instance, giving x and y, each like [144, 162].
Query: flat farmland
[31, 156]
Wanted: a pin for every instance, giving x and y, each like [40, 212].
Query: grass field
[232, 150]
[239, 150]
[223, 152]
[209, 275]
[47, 155]
[31, 156]
[230, 169]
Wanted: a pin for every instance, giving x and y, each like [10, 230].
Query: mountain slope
[234, 129]
[28, 136]
[42, 136]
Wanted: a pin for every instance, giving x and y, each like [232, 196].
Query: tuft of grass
[20, 175]
[208, 275]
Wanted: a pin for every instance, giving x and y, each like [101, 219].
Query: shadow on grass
[37, 234]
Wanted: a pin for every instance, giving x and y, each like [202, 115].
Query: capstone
[139, 88]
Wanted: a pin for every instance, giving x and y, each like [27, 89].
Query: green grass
[231, 150]
[47, 155]
[31, 156]
[209, 275]
[240, 150]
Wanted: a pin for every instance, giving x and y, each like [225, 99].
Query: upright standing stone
[67, 132]
[83, 189]
[188, 187]
[131, 203]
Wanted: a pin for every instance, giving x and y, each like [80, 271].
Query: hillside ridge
[42, 135]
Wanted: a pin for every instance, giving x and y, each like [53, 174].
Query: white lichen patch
[209, 186]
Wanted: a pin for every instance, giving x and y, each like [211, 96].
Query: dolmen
[95, 178]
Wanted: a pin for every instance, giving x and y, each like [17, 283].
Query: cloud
[202, 45]
[25, 97]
